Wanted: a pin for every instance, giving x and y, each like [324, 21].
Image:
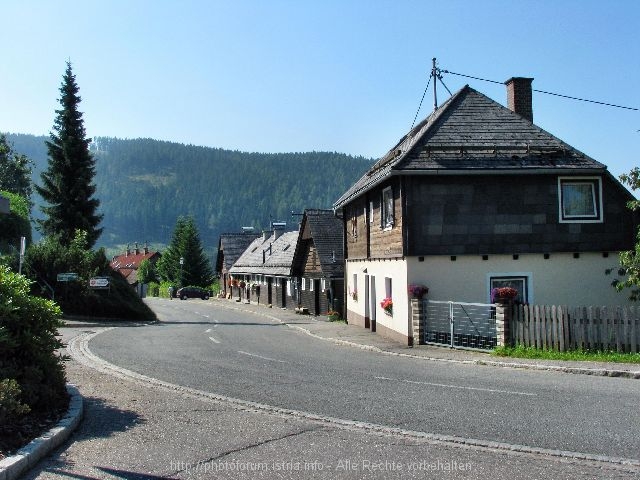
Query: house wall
[559, 280]
[481, 214]
[368, 239]
[395, 327]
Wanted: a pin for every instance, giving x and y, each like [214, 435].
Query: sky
[326, 75]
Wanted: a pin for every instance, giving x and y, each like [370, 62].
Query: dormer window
[580, 199]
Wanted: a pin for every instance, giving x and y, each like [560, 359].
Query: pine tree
[186, 245]
[67, 185]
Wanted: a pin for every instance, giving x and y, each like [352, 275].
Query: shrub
[28, 346]
[49, 257]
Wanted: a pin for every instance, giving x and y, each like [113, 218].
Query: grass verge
[576, 355]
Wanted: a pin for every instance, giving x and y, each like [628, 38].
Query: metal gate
[460, 325]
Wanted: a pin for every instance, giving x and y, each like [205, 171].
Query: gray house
[263, 273]
[474, 197]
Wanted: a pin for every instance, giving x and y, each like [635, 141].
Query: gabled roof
[273, 256]
[131, 260]
[230, 247]
[472, 133]
[325, 230]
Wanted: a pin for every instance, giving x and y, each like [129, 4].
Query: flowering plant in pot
[387, 306]
[503, 294]
[234, 282]
[417, 291]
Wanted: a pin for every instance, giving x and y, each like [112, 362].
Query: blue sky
[346, 76]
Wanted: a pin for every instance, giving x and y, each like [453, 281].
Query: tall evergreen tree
[186, 245]
[67, 184]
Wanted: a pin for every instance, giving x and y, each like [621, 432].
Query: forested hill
[143, 186]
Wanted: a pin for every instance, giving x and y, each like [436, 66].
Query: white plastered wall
[379, 269]
[559, 280]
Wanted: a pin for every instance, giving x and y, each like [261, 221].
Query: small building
[318, 262]
[477, 196]
[127, 264]
[230, 247]
[263, 273]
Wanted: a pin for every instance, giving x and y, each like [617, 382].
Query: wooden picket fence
[571, 328]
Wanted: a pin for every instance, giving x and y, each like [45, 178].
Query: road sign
[99, 282]
[67, 277]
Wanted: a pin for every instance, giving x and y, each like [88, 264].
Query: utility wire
[421, 100]
[548, 93]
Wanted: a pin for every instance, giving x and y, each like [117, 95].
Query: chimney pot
[519, 96]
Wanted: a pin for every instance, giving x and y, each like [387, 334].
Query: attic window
[580, 199]
[286, 248]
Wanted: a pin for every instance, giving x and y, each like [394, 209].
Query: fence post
[417, 321]
[503, 324]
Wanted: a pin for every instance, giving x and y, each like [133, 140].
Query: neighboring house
[230, 247]
[129, 262]
[318, 263]
[265, 270]
[477, 196]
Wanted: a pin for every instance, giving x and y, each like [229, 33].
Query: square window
[580, 199]
[386, 217]
[520, 283]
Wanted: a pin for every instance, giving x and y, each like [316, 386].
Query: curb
[27, 457]
[600, 372]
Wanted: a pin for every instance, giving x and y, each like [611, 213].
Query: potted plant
[503, 294]
[333, 316]
[417, 291]
[387, 306]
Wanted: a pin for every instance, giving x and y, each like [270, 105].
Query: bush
[49, 257]
[28, 345]
[11, 408]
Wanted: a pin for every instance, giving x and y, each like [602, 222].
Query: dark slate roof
[471, 132]
[230, 247]
[277, 260]
[326, 231]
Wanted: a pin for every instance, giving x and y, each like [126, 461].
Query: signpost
[99, 282]
[67, 277]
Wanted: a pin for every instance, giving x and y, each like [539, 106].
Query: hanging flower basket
[242, 284]
[417, 291]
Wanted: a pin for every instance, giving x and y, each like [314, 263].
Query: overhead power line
[548, 93]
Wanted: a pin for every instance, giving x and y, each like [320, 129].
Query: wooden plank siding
[366, 238]
[577, 328]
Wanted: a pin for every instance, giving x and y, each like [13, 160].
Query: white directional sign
[99, 282]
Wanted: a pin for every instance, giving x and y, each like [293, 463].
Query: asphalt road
[250, 358]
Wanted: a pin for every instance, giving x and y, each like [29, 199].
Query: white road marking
[260, 356]
[461, 387]
[214, 340]
[207, 330]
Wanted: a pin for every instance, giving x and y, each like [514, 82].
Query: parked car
[192, 292]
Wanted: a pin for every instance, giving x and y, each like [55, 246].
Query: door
[372, 298]
[367, 310]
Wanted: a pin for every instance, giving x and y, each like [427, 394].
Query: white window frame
[388, 287]
[596, 193]
[499, 279]
[311, 282]
[387, 209]
[304, 283]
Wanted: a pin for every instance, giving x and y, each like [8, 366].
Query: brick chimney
[519, 96]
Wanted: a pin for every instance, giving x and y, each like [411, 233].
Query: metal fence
[459, 324]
